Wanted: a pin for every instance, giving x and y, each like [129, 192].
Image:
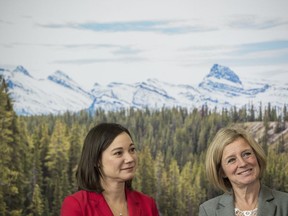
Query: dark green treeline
[39, 154]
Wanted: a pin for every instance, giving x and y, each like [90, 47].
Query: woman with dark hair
[104, 176]
[235, 163]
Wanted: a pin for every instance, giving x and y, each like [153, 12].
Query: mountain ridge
[221, 88]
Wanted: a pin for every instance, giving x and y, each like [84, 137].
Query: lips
[128, 168]
[247, 171]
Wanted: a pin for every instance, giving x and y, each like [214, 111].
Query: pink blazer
[87, 203]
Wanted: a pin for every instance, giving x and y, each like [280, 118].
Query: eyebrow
[121, 148]
[233, 155]
[116, 149]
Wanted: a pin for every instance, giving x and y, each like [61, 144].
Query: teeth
[245, 171]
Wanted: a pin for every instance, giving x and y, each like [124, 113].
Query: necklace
[114, 209]
[252, 212]
[117, 210]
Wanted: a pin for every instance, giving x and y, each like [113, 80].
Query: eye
[231, 160]
[118, 153]
[132, 149]
[247, 154]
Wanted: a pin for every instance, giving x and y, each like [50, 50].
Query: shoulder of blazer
[219, 201]
[272, 202]
[138, 197]
[269, 194]
[221, 206]
[141, 204]
[86, 196]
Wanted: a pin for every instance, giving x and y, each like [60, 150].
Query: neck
[246, 198]
[114, 191]
[115, 197]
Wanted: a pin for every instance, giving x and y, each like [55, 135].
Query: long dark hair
[98, 139]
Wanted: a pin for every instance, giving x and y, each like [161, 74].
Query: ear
[222, 173]
[97, 166]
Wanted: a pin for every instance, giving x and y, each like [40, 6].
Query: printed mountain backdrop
[221, 88]
[44, 123]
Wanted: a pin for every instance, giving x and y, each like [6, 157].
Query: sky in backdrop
[175, 41]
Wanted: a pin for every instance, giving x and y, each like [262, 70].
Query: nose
[128, 158]
[241, 162]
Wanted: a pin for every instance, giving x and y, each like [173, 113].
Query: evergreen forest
[39, 154]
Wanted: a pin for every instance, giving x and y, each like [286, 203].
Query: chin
[126, 178]
[250, 182]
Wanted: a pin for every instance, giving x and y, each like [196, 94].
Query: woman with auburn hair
[235, 163]
[104, 175]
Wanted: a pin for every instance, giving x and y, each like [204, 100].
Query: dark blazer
[87, 203]
[270, 203]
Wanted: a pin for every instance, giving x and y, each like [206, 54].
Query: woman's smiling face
[239, 163]
[119, 160]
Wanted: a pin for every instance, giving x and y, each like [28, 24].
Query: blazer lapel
[266, 207]
[100, 204]
[133, 203]
[225, 206]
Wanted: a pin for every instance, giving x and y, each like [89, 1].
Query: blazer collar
[100, 203]
[265, 206]
[133, 203]
[225, 205]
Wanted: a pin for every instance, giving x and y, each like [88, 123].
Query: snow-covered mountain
[223, 86]
[58, 93]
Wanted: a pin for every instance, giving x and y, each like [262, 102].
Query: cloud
[261, 46]
[248, 54]
[150, 37]
[254, 22]
[91, 46]
[126, 50]
[157, 26]
[101, 60]
[116, 49]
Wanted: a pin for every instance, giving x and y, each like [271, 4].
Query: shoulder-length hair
[98, 139]
[224, 137]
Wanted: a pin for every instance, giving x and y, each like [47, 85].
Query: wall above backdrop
[119, 54]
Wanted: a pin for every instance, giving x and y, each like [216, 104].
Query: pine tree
[251, 117]
[27, 161]
[186, 190]
[173, 188]
[147, 171]
[57, 164]
[285, 114]
[5, 139]
[265, 137]
[74, 155]
[159, 172]
[12, 156]
[44, 140]
[260, 116]
[37, 206]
